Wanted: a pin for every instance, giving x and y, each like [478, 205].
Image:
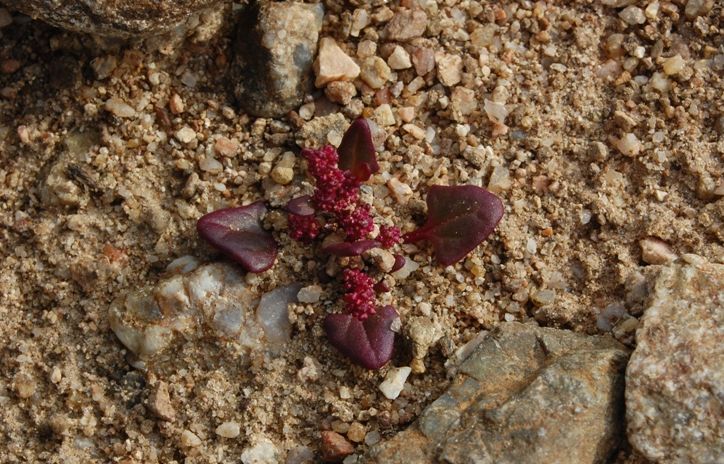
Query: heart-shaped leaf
[350, 248]
[357, 151]
[368, 343]
[458, 219]
[301, 206]
[238, 233]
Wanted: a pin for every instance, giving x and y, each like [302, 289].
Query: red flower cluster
[303, 228]
[337, 192]
[389, 236]
[360, 293]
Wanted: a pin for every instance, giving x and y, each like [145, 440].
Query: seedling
[459, 219]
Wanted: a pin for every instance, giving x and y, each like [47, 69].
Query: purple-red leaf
[301, 206]
[458, 219]
[238, 233]
[357, 151]
[399, 262]
[350, 248]
[368, 343]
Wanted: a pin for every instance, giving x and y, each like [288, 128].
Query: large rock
[525, 395]
[194, 303]
[275, 48]
[113, 18]
[675, 380]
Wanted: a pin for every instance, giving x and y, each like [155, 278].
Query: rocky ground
[599, 125]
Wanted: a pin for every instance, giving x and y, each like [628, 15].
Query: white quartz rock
[211, 299]
[394, 382]
[273, 317]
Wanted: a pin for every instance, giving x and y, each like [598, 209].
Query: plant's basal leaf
[357, 151]
[237, 232]
[351, 248]
[368, 343]
[301, 206]
[458, 219]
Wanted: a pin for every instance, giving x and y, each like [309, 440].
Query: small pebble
[282, 175]
[189, 439]
[628, 145]
[394, 382]
[449, 68]
[372, 438]
[333, 64]
[399, 190]
[225, 147]
[415, 131]
[119, 108]
[375, 72]
[674, 65]
[176, 104]
[632, 15]
[384, 116]
[340, 92]
[656, 251]
[406, 113]
[228, 430]
[24, 386]
[399, 59]
[211, 165]
[406, 25]
[160, 403]
[356, 432]
[185, 135]
[335, 447]
[309, 294]
[499, 179]
[543, 297]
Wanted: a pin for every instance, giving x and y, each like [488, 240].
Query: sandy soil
[601, 149]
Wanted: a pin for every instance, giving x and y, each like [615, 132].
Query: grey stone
[675, 380]
[525, 395]
[114, 18]
[275, 48]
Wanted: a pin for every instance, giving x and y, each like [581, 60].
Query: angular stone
[675, 380]
[406, 25]
[525, 394]
[399, 59]
[449, 68]
[114, 18]
[333, 64]
[160, 402]
[275, 47]
[375, 72]
[335, 447]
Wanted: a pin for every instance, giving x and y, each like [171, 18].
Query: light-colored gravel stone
[674, 379]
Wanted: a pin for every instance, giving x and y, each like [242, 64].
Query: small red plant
[459, 218]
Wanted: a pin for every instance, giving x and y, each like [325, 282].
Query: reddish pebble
[9, 66]
[335, 447]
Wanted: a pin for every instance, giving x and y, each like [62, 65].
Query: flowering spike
[303, 228]
[389, 236]
[360, 293]
[357, 223]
